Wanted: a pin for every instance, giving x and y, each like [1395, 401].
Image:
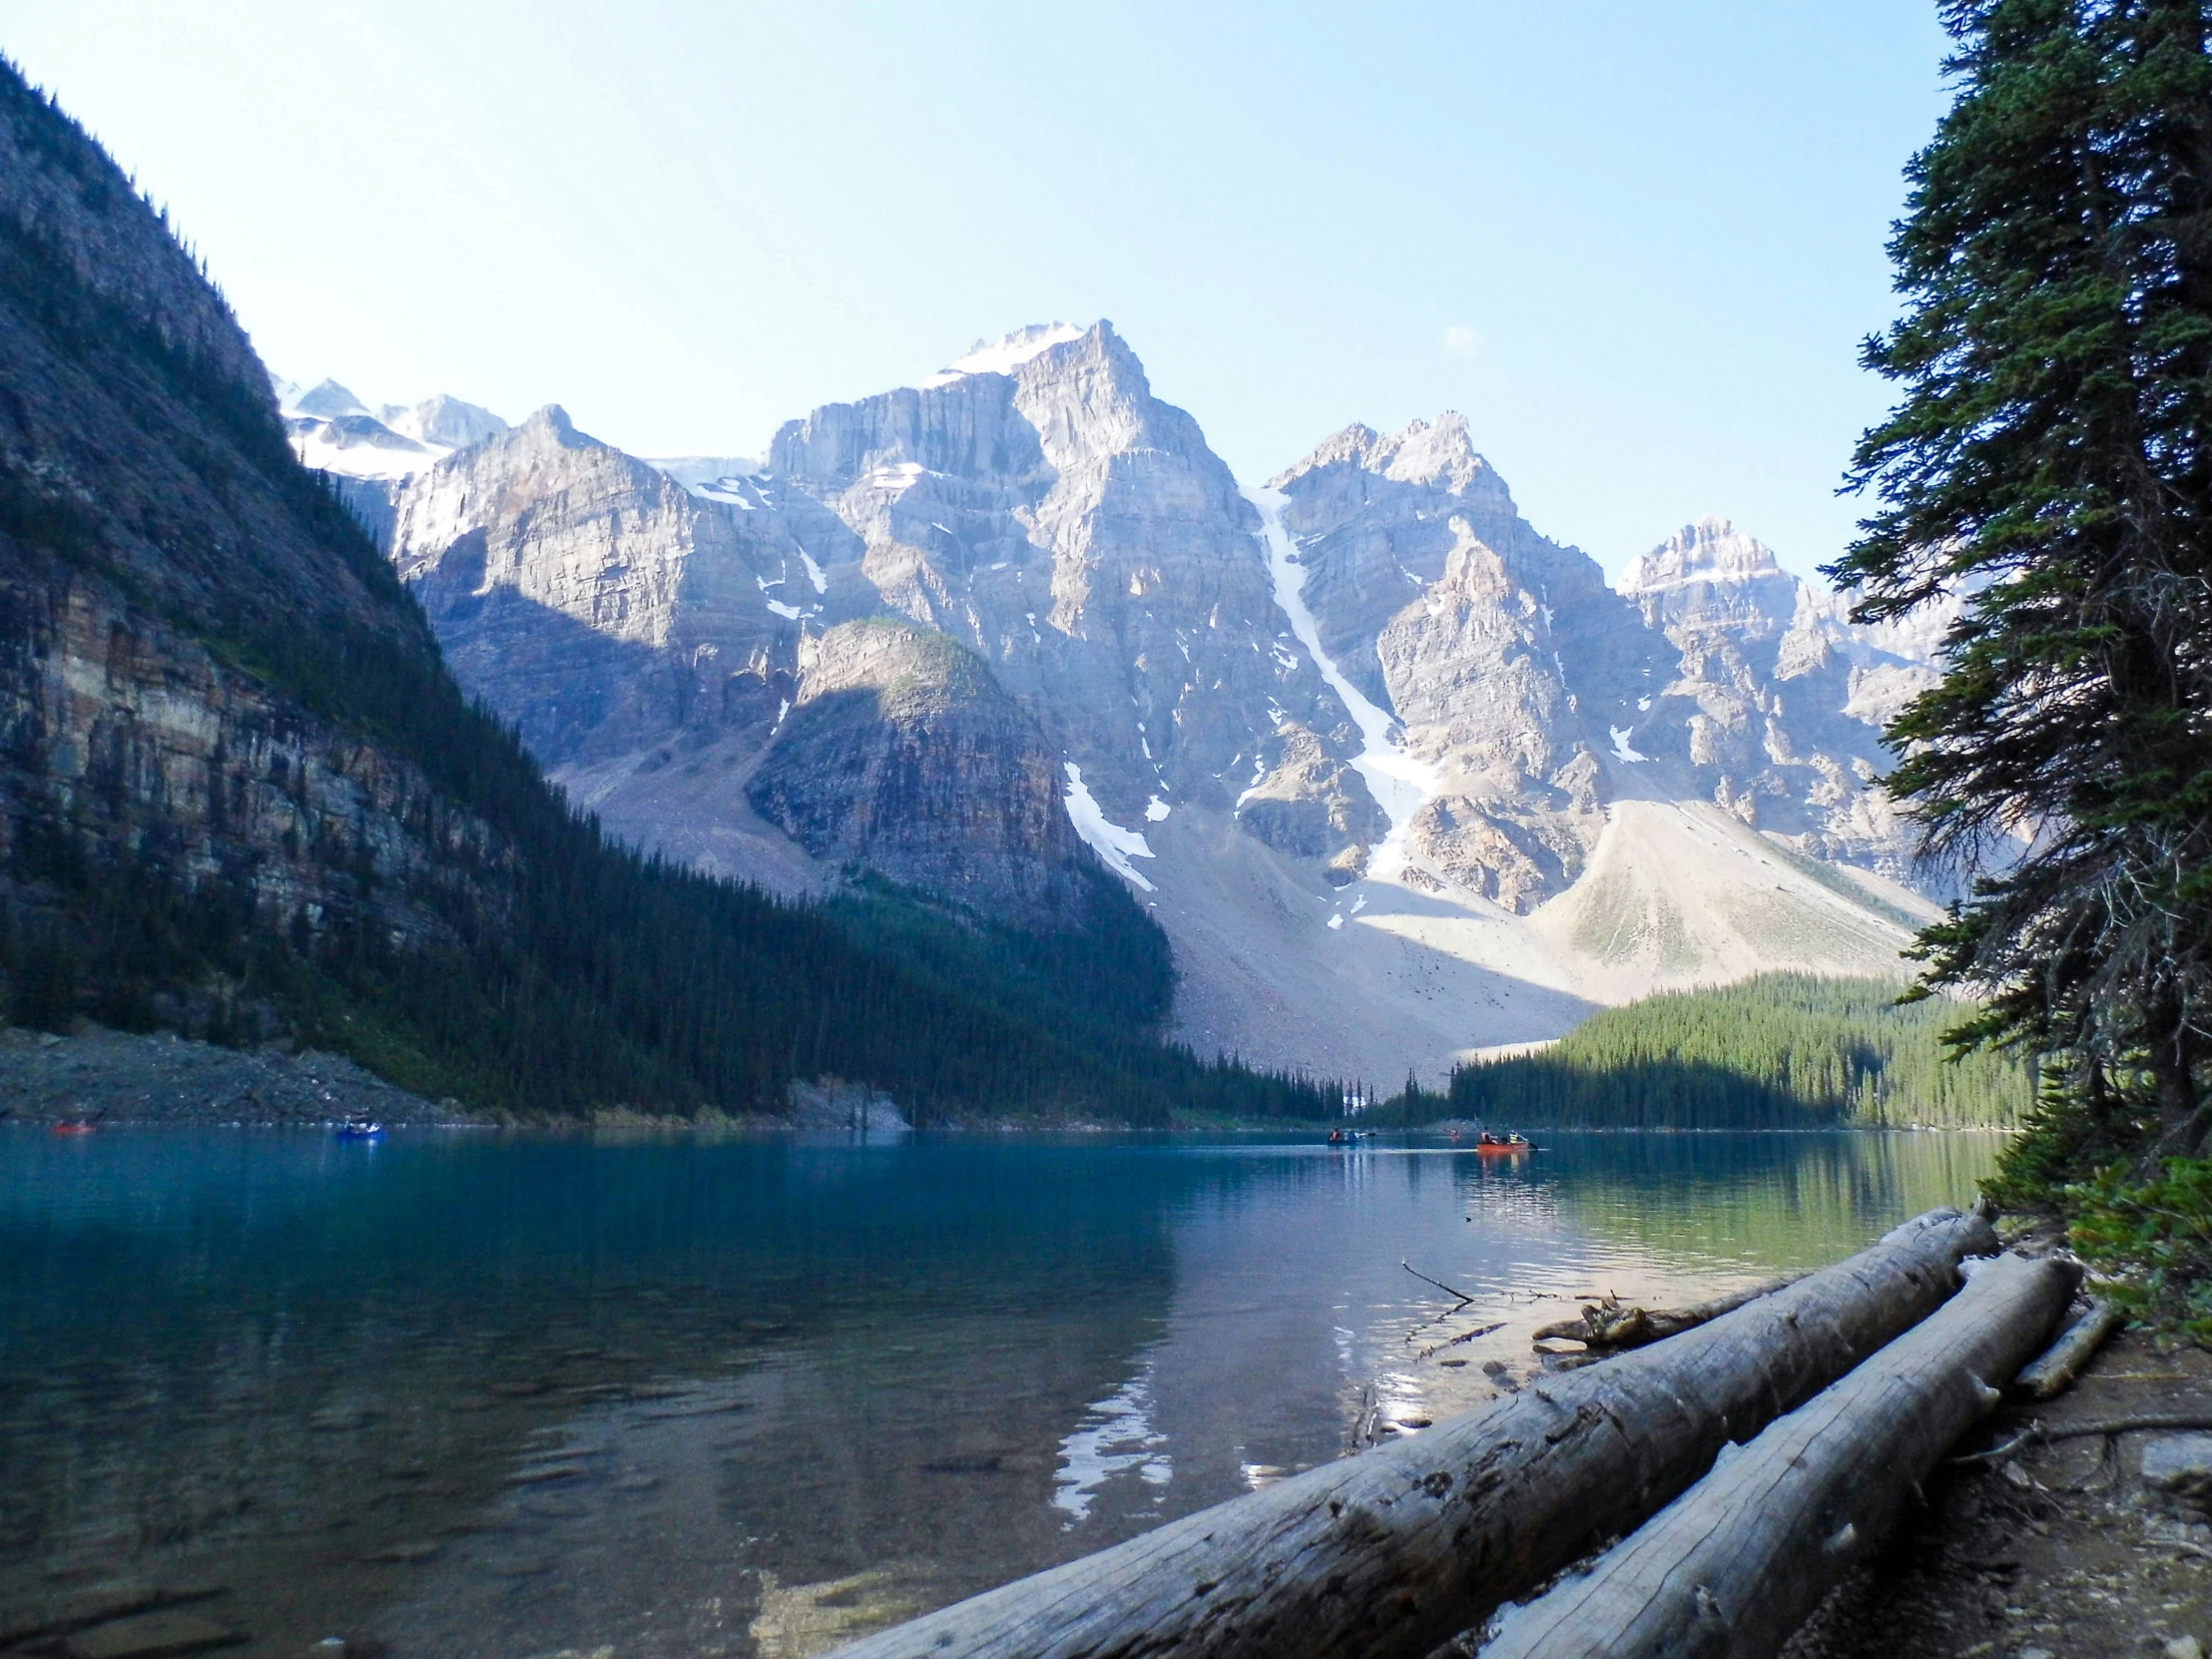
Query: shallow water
[479, 1395]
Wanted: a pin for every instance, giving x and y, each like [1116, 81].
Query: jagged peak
[445, 419]
[327, 399]
[441, 421]
[553, 421]
[1710, 550]
[1350, 445]
[1441, 452]
[1438, 453]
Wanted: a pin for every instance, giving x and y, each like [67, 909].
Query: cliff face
[902, 753]
[1775, 703]
[1540, 694]
[1044, 508]
[1504, 654]
[593, 601]
[165, 592]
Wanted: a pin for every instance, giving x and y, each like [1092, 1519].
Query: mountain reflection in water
[504, 1394]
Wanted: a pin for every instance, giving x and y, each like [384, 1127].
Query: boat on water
[1511, 1141]
[361, 1129]
[1349, 1137]
[71, 1126]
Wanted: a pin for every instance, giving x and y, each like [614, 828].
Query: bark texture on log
[2052, 1373]
[1390, 1552]
[1736, 1564]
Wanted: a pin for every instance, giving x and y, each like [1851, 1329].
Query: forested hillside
[242, 797]
[1780, 1051]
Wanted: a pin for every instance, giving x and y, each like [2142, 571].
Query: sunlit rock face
[1038, 505]
[1776, 700]
[1539, 694]
[1311, 804]
[1036, 502]
[591, 600]
[1503, 653]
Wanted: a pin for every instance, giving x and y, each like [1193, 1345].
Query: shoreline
[160, 1079]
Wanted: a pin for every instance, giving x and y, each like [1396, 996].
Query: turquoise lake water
[499, 1394]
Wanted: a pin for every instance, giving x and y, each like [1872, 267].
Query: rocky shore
[117, 1077]
[2067, 1549]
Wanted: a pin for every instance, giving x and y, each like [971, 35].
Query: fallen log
[2053, 1371]
[1606, 1323]
[1736, 1564]
[1387, 1553]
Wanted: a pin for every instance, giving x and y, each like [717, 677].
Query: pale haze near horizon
[1636, 246]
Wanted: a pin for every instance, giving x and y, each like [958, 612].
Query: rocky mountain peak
[443, 420]
[329, 401]
[1438, 455]
[552, 424]
[1711, 550]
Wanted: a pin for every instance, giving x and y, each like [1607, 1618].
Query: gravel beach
[117, 1077]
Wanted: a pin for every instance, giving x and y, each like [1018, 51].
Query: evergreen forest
[2049, 463]
[1779, 1051]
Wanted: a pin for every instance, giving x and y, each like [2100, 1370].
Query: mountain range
[243, 796]
[1401, 778]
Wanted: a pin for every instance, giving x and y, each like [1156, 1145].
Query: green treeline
[525, 962]
[1779, 1051]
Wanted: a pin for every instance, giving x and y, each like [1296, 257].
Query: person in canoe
[1511, 1141]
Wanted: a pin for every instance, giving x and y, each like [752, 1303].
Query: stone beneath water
[151, 1636]
[2180, 1467]
[799, 1621]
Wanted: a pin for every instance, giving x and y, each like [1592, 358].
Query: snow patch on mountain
[332, 430]
[1401, 782]
[1107, 839]
[1008, 355]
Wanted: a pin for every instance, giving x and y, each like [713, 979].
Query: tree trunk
[1388, 1553]
[2048, 1375]
[1736, 1563]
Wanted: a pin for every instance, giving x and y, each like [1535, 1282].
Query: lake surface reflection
[478, 1394]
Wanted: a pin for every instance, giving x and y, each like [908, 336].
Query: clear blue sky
[1636, 242]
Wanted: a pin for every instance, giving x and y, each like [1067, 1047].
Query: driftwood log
[1736, 1564]
[1609, 1324]
[1390, 1552]
[2052, 1373]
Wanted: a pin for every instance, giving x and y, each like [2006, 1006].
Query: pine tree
[2048, 460]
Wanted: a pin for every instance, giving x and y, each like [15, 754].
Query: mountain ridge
[1037, 505]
